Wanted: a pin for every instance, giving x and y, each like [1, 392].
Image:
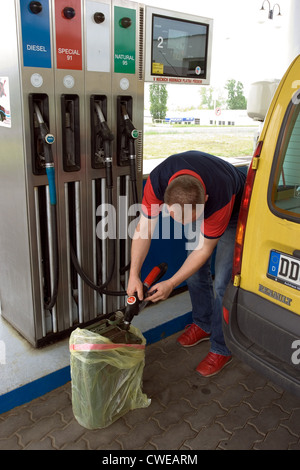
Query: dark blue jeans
[207, 296]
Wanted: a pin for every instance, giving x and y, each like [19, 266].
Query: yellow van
[261, 308]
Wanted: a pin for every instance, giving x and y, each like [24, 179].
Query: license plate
[284, 268]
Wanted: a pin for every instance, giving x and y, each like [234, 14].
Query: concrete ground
[236, 409]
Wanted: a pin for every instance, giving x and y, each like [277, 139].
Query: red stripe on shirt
[216, 224]
[150, 204]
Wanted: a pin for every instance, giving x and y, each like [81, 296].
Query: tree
[236, 98]
[207, 101]
[210, 98]
[158, 101]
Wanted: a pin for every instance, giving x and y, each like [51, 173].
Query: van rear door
[271, 253]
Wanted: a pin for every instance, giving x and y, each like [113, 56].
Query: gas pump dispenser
[64, 64]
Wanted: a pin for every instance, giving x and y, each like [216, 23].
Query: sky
[243, 49]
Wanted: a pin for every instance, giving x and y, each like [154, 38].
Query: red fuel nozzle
[134, 305]
[150, 279]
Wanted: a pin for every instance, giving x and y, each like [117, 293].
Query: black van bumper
[265, 336]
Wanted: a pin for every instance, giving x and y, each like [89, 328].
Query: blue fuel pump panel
[35, 24]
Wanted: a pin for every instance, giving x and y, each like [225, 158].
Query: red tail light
[241, 226]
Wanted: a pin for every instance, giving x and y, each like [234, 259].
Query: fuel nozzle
[134, 305]
[47, 140]
[131, 132]
[105, 132]
[107, 137]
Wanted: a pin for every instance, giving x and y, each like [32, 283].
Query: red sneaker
[192, 336]
[212, 364]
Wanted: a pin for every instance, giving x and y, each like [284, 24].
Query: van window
[285, 177]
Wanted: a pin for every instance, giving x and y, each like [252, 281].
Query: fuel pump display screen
[179, 48]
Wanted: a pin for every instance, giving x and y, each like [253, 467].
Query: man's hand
[160, 291]
[139, 249]
[135, 285]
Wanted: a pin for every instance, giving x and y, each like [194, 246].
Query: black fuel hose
[51, 303]
[101, 289]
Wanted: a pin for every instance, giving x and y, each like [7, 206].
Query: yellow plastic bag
[106, 378]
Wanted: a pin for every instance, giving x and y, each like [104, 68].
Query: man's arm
[193, 262]
[139, 249]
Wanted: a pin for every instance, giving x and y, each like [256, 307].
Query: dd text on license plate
[284, 268]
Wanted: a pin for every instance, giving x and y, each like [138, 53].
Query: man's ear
[206, 197]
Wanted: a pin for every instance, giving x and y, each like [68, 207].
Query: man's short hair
[185, 189]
